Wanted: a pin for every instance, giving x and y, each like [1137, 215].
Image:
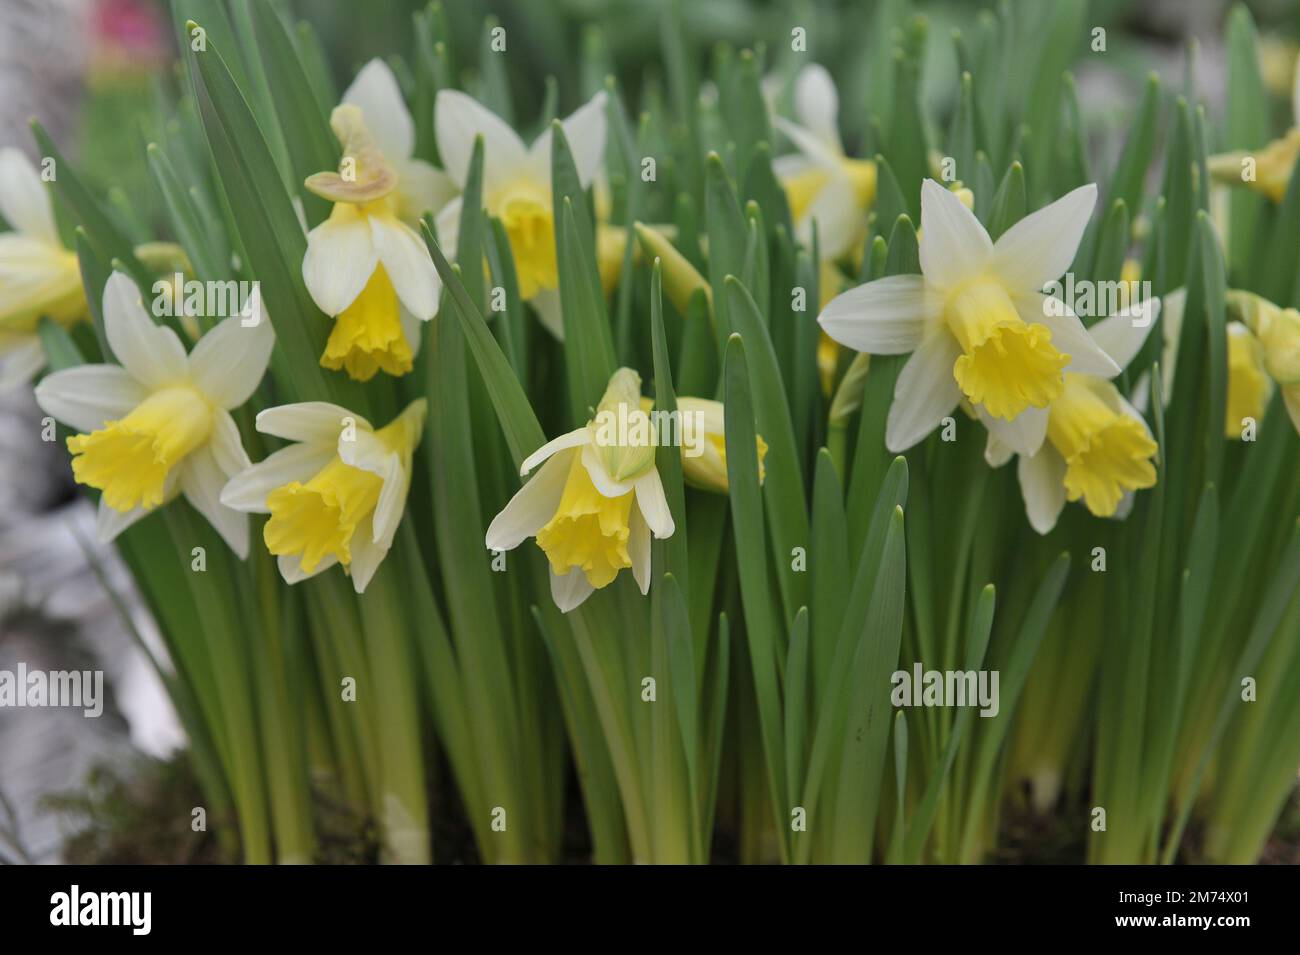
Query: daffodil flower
[1272, 165]
[336, 495]
[516, 186]
[38, 276]
[595, 502]
[1099, 448]
[159, 424]
[976, 321]
[366, 267]
[1277, 330]
[704, 444]
[822, 184]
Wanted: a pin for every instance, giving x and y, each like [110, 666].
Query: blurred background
[95, 72]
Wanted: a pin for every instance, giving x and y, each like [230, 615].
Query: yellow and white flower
[704, 444]
[516, 186]
[595, 502]
[159, 424]
[1266, 170]
[1099, 448]
[1277, 331]
[821, 183]
[38, 276]
[366, 266]
[976, 321]
[335, 496]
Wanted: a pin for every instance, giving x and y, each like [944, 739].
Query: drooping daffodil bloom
[704, 444]
[516, 186]
[822, 184]
[1249, 387]
[976, 321]
[38, 276]
[1099, 448]
[596, 501]
[158, 424]
[337, 494]
[1278, 332]
[1266, 170]
[366, 266]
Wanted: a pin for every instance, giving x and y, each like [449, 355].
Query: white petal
[953, 243]
[458, 120]
[808, 143]
[315, 422]
[1121, 336]
[447, 227]
[24, 203]
[1068, 334]
[550, 311]
[638, 548]
[247, 491]
[375, 90]
[1042, 485]
[423, 188]
[585, 129]
[653, 504]
[202, 480]
[886, 317]
[291, 568]
[996, 453]
[572, 439]
[837, 216]
[791, 165]
[226, 445]
[367, 555]
[925, 392]
[151, 353]
[228, 362]
[602, 479]
[340, 259]
[110, 522]
[20, 363]
[570, 590]
[532, 506]
[1023, 435]
[409, 266]
[86, 396]
[1041, 246]
[368, 453]
[817, 103]
[1125, 506]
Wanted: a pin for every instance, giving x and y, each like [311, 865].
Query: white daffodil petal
[550, 312]
[290, 566]
[1068, 334]
[1042, 485]
[110, 522]
[886, 317]
[1024, 434]
[202, 480]
[24, 203]
[808, 143]
[20, 363]
[367, 555]
[447, 226]
[151, 353]
[409, 266]
[315, 422]
[585, 130]
[340, 259]
[532, 506]
[953, 243]
[228, 362]
[458, 120]
[924, 394]
[1121, 336]
[791, 165]
[653, 504]
[572, 439]
[1125, 506]
[376, 92]
[85, 396]
[837, 218]
[996, 453]
[817, 104]
[424, 188]
[1041, 246]
[570, 590]
[604, 481]
[392, 503]
[226, 445]
[638, 549]
[247, 491]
